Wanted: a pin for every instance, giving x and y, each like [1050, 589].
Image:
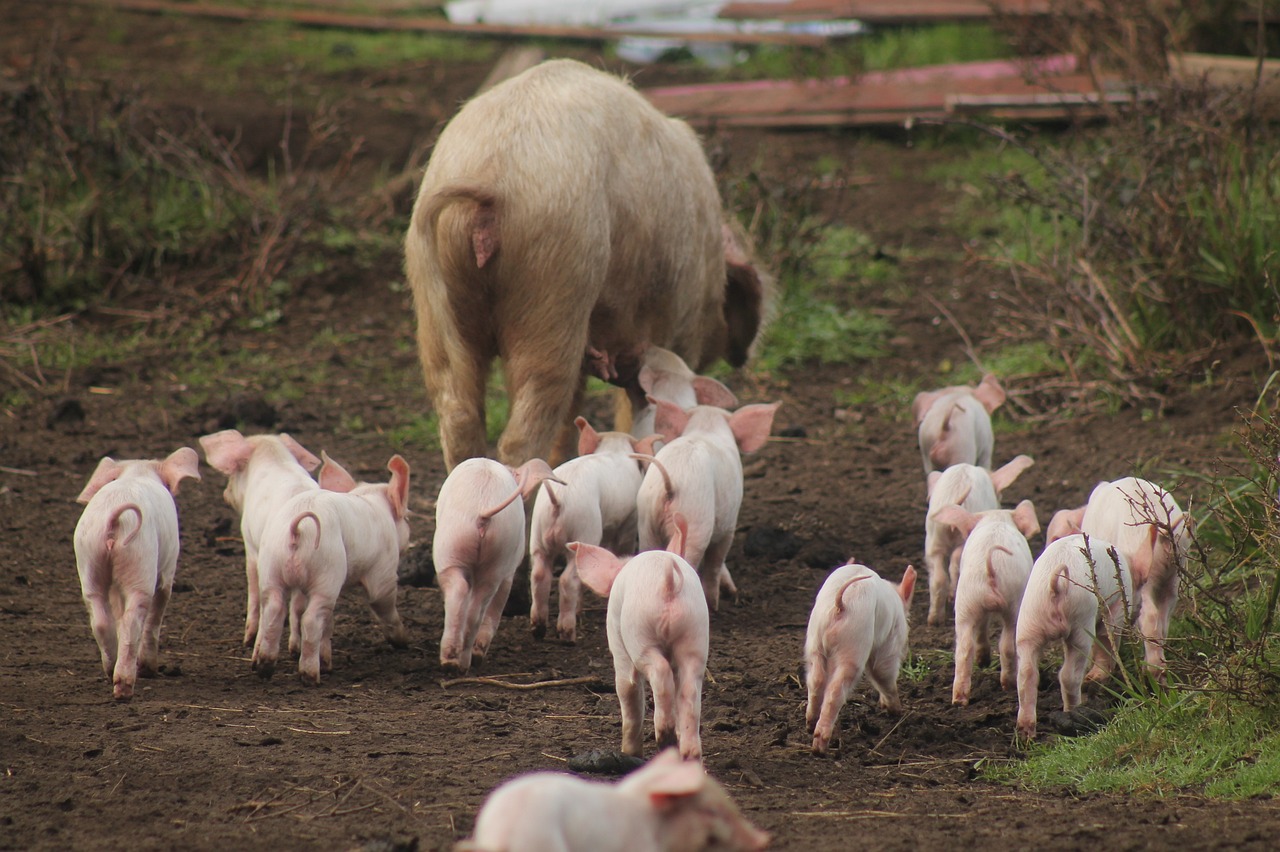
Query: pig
[659, 631]
[1146, 525]
[596, 505]
[566, 225]
[319, 543]
[1080, 593]
[126, 546]
[699, 475]
[263, 472]
[994, 566]
[974, 489]
[665, 375]
[858, 623]
[479, 543]
[667, 805]
[954, 424]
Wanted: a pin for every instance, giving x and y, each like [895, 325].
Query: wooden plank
[818, 102]
[887, 12]
[382, 23]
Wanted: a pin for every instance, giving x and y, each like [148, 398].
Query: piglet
[994, 566]
[126, 545]
[659, 632]
[1147, 526]
[698, 475]
[665, 375]
[667, 805]
[479, 542]
[319, 543]
[975, 490]
[858, 623]
[263, 473]
[954, 423]
[1080, 593]
[596, 504]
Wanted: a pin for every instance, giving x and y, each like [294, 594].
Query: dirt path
[208, 756]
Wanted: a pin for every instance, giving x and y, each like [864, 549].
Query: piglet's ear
[588, 438]
[597, 567]
[227, 451]
[107, 471]
[669, 419]
[922, 403]
[668, 778]
[907, 586]
[990, 393]
[711, 392]
[751, 425]
[530, 475]
[1005, 476]
[182, 463]
[304, 457]
[333, 476]
[398, 489]
[958, 517]
[1024, 518]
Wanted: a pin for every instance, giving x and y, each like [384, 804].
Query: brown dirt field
[382, 755]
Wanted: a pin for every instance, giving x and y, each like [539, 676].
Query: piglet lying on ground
[975, 490]
[858, 623]
[659, 631]
[1147, 526]
[698, 475]
[954, 424]
[668, 805]
[1080, 593]
[127, 553]
[479, 542]
[994, 567]
[321, 542]
[665, 375]
[263, 473]
[596, 504]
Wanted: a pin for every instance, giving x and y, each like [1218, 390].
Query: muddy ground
[382, 755]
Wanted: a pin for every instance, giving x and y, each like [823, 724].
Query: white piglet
[1147, 525]
[319, 543]
[994, 567]
[954, 424]
[126, 545]
[596, 504]
[478, 545]
[858, 624]
[698, 475]
[665, 375]
[659, 632]
[975, 490]
[263, 472]
[1080, 593]
[667, 805]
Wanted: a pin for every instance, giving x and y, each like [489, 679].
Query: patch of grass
[811, 324]
[889, 396]
[910, 47]
[1173, 742]
[882, 50]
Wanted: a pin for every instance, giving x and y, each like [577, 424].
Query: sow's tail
[479, 223]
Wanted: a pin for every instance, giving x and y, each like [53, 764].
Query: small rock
[599, 762]
[66, 412]
[771, 543]
[416, 568]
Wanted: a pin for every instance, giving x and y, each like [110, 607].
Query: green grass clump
[1175, 742]
[813, 325]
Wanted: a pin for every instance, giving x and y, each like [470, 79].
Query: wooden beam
[887, 11]
[381, 23]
